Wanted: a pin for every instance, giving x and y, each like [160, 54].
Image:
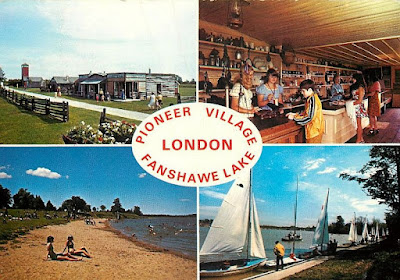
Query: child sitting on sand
[60, 256]
[69, 245]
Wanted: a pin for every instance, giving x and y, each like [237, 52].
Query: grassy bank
[375, 262]
[18, 126]
[137, 106]
[12, 228]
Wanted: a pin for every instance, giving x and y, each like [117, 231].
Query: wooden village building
[67, 84]
[310, 39]
[129, 85]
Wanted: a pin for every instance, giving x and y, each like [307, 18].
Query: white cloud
[142, 175]
[43, 172]
[260, 200]
[67, 176]
[285, 167]
[213, 194]
[350, 171]
[4, 175]
[365, 206]
[327, 170]
[3, 167]
[314, 164]
[184, 200]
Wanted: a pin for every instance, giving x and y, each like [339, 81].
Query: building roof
[64, 80]
[35, 79]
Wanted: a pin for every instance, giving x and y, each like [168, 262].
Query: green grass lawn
[18, 126]
[137, 106]
[15, 228]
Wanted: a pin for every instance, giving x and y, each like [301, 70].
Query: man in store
[279, 251]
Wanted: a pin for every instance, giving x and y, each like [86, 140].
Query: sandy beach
[114, 257]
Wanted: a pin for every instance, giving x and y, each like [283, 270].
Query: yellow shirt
[279, 250]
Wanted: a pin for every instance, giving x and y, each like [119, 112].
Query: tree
[137, 211]
[5, 197]
[380, 178]
[74, 205]
[117, 207]
[94, 209]
[38, 203]
[2, 75]
[103, 207]
[23, 199]
[50, 206]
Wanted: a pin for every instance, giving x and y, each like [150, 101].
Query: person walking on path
[279, 251]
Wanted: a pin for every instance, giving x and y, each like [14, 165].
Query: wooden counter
[279, 130]
[338, 125]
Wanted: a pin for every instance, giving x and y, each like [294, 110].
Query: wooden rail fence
[56, 110]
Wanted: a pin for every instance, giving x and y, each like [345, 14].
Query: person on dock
[60, 256]
[279, 251]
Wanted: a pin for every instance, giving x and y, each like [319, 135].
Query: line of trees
[380, 179]
[340, 227]
[23, 199]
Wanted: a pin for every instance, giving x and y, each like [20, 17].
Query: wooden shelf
[219, 45]
[207, 67]
[326, 66]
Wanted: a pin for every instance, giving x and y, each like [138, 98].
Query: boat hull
[232, 270]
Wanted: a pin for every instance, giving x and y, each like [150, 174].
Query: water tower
[25, 74]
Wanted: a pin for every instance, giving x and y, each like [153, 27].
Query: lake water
[272, 235]
[173, 233]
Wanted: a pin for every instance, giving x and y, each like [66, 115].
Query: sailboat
[365, 236]
[321, 234]
[235, 228]
[377, 232]
[293, 236]
[353, 230]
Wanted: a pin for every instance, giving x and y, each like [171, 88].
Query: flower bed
[115, 132]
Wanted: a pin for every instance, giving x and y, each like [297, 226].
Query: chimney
[149, 70]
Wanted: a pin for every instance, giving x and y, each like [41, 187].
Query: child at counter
[311, 117]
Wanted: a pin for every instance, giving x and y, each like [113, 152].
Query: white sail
[353, 230]
[372, 231]
[321, 234]
[257, 243]
[229, 230]
[377, 232]
[365, 235]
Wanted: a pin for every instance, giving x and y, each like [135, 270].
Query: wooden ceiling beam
[344, 54]
[359, 41]
[360, 54]
[390, 47]
[370, 53]
[382, 52]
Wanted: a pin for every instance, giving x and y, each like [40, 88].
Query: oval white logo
[196, 144]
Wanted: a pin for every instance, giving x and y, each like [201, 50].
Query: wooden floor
[389, 128]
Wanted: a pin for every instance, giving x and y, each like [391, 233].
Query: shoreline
[145, 245]
[114, 256]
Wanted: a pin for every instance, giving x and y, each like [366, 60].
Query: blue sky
[96, 174]
[318, 167]
[59, 38]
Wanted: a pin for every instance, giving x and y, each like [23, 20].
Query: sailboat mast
[249, 223]
[325, 217]
[295, 215]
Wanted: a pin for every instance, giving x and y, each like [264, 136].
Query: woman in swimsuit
[69, 245]
[61, 256]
